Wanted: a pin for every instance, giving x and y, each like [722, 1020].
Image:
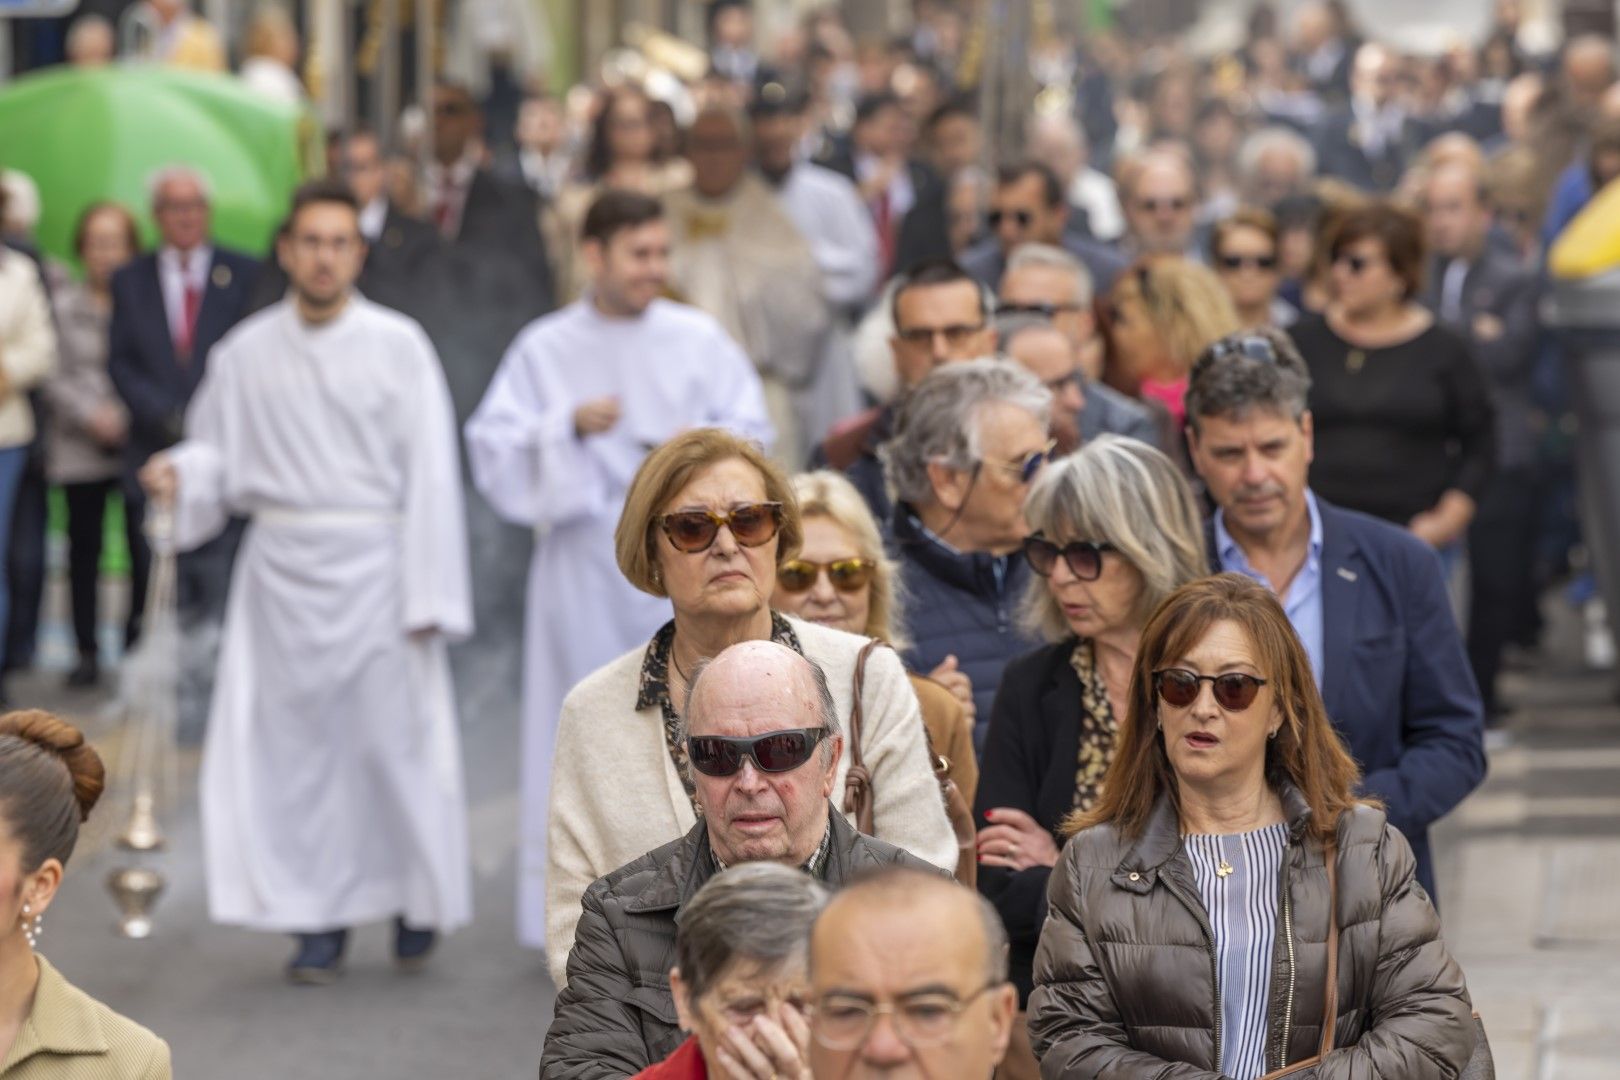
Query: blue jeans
[12, 461]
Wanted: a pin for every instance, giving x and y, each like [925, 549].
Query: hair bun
[50, 732]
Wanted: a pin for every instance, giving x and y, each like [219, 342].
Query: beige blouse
[71, 1036]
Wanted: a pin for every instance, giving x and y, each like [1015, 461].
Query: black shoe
[411, 947]
[86, 675]
[319, 960]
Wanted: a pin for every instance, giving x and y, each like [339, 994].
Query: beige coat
[27, 344]
[77, 388]
[615, 794]
[71, 1036]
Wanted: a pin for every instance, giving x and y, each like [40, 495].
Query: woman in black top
[1116, 531]
[1402, 413]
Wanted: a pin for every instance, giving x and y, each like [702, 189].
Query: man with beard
[581, 397]
[331, 780]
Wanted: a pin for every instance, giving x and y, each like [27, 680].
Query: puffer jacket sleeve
[1074, 1023]
[907, 808]
[595, 1032]
[1420, 1017]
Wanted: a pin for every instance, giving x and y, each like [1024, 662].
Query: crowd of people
[891, 514]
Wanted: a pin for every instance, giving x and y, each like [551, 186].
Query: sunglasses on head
[1255, 262]
[774, 752]
[1027, 466]
[1248, 346]
[846, 575]
[1234, 691]
[1084, 557]
[1023, 218]
[751, 525]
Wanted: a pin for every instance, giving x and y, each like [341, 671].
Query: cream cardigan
[27, 343]
[615, 794]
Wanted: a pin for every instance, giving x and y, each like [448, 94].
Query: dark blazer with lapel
[924, 234]
[1031, 755]
[1395, 675]
[1340, 153]
[153, 382]
[1496, 284]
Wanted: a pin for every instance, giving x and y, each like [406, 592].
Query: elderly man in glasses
[908, 977]
[968, 441]
[1367, 599]
[763, 741]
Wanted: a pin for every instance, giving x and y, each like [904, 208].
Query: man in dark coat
[1369, 140]
[968, 441]
[1367, 598]
[1029, 206]
[757, 705]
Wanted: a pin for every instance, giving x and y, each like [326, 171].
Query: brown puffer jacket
[1125, 975]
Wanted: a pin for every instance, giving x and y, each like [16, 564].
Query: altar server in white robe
[332, 791]
[579, 400]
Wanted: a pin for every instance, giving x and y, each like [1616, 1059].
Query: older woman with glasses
[1404, 425]
[1228, 906]
[1243, 250]
[1116, 529]
[843, 578]
[740, 981]
[708, 523]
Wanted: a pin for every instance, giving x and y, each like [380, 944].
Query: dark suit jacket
[1030, 760]
[924, 234]
[1496, 284]
[1395, 676]
[1340, 154]
[154, 383]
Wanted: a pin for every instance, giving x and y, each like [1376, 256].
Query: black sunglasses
[924, 335]
[1084, 557]
[751, 524]
[774, 752]
[1022, 217]
[1234, 691]
[1045, 311]
[1153, 206]
[1256, 262]
[1254, 347]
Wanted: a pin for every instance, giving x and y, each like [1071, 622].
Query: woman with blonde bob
[1116, 530]
[843, 578]
[1189, 913]
[708, 523]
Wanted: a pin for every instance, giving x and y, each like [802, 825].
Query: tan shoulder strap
[857, 710]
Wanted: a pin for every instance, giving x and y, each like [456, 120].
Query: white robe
[672, 368]
[332, 791]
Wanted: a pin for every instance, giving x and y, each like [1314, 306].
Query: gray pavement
[1529, 868]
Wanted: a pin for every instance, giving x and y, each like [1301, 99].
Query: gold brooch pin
[1223, 870]
[1354, 360]
[222, 276]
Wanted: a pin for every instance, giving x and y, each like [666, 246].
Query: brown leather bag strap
[1330, 998]
[857, 710]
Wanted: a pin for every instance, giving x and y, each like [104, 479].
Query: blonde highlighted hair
[1185, 302]
[826, 494]
[661, 477]
[1122, 492]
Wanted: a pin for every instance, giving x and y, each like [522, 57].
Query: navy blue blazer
[152, 381]
[1395, 675]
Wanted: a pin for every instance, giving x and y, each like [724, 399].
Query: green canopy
[89, 134]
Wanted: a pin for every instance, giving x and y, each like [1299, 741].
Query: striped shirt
[1242, 907]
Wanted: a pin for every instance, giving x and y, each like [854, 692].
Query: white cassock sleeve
[738, 399]
[847, 246]
[438, 585]
[525, 457]
[200, 509]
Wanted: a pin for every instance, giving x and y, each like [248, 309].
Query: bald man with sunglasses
[763, 743]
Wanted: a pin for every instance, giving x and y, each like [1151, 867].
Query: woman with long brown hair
[1190, 913]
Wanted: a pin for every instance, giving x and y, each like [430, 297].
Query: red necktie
[188, 316]
[883, 218]
[445, 213]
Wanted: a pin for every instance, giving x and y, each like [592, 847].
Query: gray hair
[172, 173]
[1267, 139]
[1126, 493]
[1054, 257]
[826, 708]
[938, 423]
[1228, 382]
[759, 913]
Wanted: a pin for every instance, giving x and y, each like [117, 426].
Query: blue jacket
[959, 605]
[1395, 675]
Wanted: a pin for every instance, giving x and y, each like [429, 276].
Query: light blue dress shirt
[1303, 603]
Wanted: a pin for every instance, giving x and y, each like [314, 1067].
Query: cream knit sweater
[615, 794]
